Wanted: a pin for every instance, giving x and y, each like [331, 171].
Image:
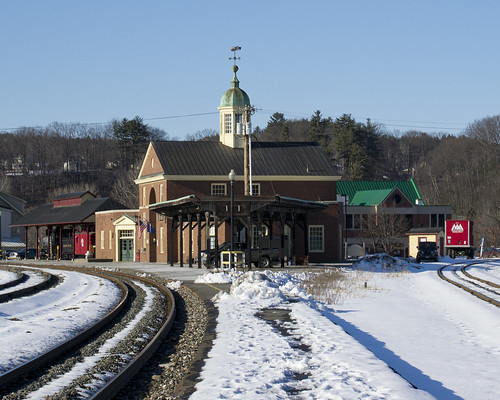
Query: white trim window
[316, 238]
[102, 240]
[228, 124]
[255, 189]
[218, 189]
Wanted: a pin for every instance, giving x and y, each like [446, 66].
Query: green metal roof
[370, 197]
[367, 193]
[235, 97]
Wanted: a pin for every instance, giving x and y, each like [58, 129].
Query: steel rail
[113, 386]
[486, 282]
[48, 280]
[466, 288]
[45, 358]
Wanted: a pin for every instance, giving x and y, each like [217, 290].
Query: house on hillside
[11, 210]
[385, 210]
[197, 195]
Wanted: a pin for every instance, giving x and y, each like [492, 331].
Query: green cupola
[234, 114]
[235, 97]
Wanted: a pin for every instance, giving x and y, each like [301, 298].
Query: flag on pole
[150, 228]
[142, 226]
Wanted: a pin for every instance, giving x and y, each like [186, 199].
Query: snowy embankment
[32, 325]
[441, 342]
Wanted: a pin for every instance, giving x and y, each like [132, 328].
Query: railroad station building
[195, 195]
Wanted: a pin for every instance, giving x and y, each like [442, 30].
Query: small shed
[417, 235]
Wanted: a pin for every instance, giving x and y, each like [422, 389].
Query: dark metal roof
[74, 195]
[268, 159]
[49, 215]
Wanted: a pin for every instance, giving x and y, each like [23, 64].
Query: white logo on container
[457, 228]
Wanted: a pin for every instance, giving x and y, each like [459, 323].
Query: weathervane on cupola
[234, 58]
[235, 113]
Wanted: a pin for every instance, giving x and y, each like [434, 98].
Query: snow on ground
[90, 361]
[441, 342]
[406, 335]
[33, 278]
[34, 324]
[7, 276]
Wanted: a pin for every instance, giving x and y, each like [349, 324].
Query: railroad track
[101, 360]
[27, 282]
[481, 288]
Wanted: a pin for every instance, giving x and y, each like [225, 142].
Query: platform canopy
[246, 211]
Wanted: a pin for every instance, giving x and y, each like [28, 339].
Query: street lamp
[231, 176]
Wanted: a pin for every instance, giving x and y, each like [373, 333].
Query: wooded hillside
[460, 170]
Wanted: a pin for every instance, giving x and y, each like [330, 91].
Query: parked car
[427, 251]
[21, 254]
[268, 256]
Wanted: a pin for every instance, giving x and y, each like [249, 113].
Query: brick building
[281, 195]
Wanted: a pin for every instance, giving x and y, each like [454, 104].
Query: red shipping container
[458, 233]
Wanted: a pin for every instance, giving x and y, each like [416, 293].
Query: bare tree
[5, 185]
[125, 190]
[386, 231]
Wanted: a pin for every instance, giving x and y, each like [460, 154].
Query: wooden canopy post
[217, 255]
[293, 255]
[25, 242]
[190, 220]
[37, 245]
[282, 238]
[181, 240]
[198, 222]
[172, 231]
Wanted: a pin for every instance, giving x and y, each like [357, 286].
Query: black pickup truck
[268, 256]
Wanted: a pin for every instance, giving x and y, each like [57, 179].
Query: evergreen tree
[278, 127]
[319, 130]
[356, 147]
[133, 137]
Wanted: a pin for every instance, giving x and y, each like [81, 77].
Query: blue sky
[428, 65]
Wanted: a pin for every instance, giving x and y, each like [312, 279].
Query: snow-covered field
[405, 336]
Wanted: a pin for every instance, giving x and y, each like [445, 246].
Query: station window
[255, 189]
[218, 189]
[316, 238]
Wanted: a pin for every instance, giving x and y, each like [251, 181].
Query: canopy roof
[50, 215]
